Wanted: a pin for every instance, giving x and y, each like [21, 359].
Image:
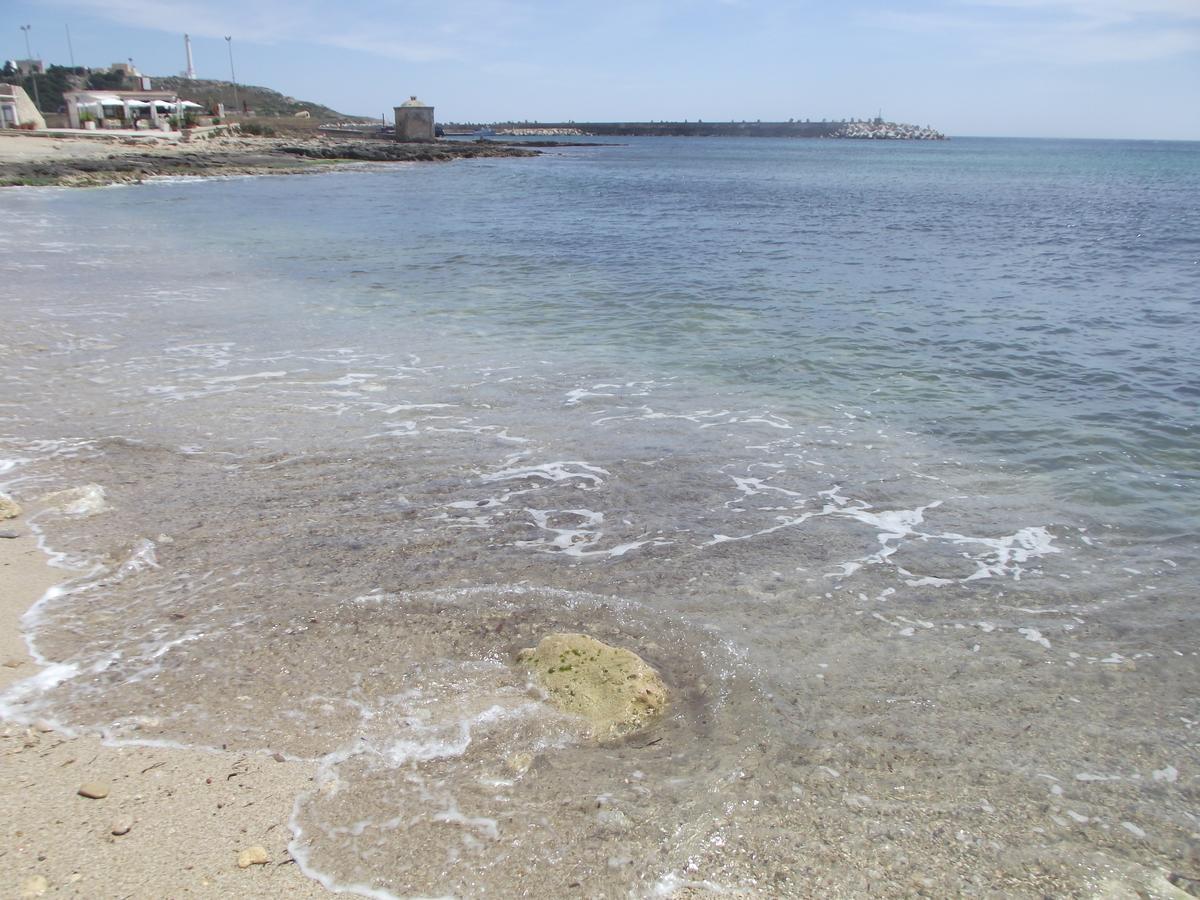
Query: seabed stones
[614, 689]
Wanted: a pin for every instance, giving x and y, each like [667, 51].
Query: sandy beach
[189, 814]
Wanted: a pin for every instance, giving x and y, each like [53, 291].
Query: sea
[884, 454]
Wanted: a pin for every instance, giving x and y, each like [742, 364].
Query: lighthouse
[190, 74]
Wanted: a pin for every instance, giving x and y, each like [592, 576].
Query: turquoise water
[886, 455]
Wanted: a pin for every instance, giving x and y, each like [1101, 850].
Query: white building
[125, 109]
[17, 110]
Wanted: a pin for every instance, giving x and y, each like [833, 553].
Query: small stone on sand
[253, 856]
[34, 886]
[122, 825]
[94, 790]
[613, 688]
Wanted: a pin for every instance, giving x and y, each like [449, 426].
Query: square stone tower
[414, 121]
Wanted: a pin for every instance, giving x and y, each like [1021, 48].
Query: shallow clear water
[885, 455]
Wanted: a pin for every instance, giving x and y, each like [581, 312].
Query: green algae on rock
[613, 688]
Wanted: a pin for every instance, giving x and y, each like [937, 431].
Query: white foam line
[669, 884]
[894, 526]
[552, 472]
[409, 407]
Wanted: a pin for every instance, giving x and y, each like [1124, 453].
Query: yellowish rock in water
[614, 689]
[9, 508]
[253, 856]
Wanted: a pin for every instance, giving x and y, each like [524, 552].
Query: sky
[1022, 68]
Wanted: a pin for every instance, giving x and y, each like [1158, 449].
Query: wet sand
[189, 813]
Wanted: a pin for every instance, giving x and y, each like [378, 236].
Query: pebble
[9, 535]
[122, 825]
[519, 763]
[13, 663]
[253, 856]
[278, 757]
[94, 790]
[34, 886]
[43, 726]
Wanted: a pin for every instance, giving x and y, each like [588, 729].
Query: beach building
[125, 109]
[414, 121]
[17, 110]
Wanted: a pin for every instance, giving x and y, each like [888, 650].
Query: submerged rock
[613, 688]
[85, 500]
[9, 508]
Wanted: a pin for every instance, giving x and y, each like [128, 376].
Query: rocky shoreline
[78, 163]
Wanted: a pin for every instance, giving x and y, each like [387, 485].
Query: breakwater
[874, 129]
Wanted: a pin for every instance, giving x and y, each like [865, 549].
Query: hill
[262, 101]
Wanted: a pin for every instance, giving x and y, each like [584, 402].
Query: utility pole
[70, 47]
[232, 76]
[37, 101]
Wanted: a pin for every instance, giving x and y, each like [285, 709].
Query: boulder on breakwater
[614, 689]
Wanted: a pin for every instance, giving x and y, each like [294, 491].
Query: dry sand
[36, 148]
[190, 812]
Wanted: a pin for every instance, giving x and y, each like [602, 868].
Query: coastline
[82, 162]
[190, 812]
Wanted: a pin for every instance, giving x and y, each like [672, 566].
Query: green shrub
[258, 129]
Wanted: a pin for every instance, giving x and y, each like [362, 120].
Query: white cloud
[1060, 31]
[414, 34]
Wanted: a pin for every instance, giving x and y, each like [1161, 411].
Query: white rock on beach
[9, 508]
[614, 689]
[122, 826]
